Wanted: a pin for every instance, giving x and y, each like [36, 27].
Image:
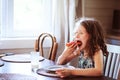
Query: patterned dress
[85, 62]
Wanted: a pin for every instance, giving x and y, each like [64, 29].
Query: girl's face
[82, 35]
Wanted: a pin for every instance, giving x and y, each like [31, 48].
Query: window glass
[26, 17]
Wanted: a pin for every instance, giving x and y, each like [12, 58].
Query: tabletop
[19, 70]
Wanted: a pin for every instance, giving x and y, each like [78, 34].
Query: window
[21, 21]
[25, 18]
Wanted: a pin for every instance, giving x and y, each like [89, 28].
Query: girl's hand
[73, 47]
[70, 48]
[63, 72]
[69, 43]
[77, 51]
[69, 53]
[79, 43]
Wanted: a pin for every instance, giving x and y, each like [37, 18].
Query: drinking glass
[34, 60]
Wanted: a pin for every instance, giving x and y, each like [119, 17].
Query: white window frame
[6, 22]
[6, 42]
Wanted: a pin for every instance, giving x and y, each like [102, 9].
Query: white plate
[50, 70]
[19, 58]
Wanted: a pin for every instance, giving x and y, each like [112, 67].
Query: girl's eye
[77, 33]
[80, 33]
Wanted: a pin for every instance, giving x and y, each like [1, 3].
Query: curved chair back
[53, 49]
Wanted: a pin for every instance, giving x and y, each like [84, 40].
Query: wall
[117, 4]
[101, 10]
[79, 9]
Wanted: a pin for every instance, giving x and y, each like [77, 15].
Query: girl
[89, 32]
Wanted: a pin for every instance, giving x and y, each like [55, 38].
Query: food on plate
[77, 42]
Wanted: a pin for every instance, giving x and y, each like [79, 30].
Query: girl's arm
[68, 54]
[72, 50]
[63, 59]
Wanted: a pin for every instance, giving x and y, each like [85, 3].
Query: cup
[34, 60]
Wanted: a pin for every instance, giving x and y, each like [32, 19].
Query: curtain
[63, 18]
[58, 19]
[71, 18]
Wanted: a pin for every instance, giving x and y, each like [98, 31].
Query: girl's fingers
[69, 44]
[59, 70]
[74, 42]
[60, 73]
[62, 76]
[73, 46]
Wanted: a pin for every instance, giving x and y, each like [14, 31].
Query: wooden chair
[112, 61]
[39, 46]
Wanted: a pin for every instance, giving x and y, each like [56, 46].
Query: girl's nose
[77, 35]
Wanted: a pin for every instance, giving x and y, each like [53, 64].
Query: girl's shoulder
[98, 53]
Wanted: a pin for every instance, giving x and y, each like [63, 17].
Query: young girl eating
[89, 45]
